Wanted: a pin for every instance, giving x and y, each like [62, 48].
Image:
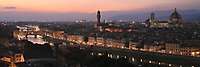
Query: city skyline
[99, 33]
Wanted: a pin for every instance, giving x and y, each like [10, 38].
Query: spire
[175, 10]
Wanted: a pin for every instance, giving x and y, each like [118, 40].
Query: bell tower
[98, 18]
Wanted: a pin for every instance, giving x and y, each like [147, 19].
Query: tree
[85, 38]
[126, 39]
[126, 43]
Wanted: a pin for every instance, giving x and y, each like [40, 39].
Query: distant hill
[188, 15]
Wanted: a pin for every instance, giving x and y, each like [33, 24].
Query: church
[175, 20]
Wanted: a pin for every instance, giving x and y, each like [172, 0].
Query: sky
[91, 6]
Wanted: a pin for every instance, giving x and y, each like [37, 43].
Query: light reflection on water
[135, 60]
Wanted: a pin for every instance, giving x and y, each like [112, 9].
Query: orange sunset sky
[93, 5]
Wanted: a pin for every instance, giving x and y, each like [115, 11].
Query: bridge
[26, 33]
[54, 34]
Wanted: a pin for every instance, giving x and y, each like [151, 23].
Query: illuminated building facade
[173, 48]
[58, 34]
[175, 20]
[13, 59]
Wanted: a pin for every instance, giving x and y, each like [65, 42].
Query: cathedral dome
[175, 15]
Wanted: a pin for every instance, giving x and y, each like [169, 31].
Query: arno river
[135, 57]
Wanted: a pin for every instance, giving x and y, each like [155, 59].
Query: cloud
[10, 7]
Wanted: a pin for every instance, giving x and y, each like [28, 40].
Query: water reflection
[139, 60]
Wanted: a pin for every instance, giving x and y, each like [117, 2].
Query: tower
[98, 18]
[152, 16]
[152, 20]
[97, 26]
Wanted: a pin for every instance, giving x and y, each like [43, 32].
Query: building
[58, 34]
[75, 38]
[110, 27]
[12, 60]
[154, 23]
[19, 58]
[175, 20]
[173, 48]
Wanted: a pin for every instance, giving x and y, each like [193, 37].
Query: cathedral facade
[175, 20]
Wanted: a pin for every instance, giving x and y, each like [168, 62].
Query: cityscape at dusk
[99, 33]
